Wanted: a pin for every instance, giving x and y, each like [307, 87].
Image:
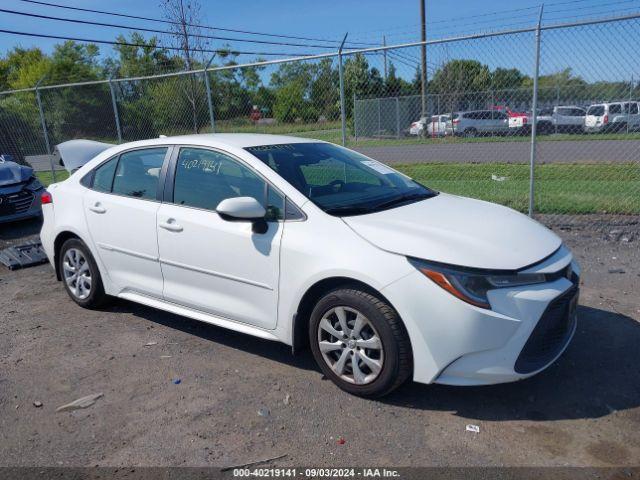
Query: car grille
[551, 334]
[20, 201]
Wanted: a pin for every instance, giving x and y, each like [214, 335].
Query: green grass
[560, 188]
[46, 178]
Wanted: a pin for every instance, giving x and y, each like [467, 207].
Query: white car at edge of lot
[612, 117]
[434, 126]
[305, 242]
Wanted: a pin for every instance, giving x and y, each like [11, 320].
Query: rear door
[120, 209]
[595, 116]
[212, 264]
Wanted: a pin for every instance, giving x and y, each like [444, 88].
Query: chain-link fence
[543, 119]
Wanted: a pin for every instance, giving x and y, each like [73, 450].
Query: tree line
[290, 93]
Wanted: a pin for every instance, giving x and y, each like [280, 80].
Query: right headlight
[472, 285]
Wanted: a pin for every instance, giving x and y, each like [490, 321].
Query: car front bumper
[456, 343]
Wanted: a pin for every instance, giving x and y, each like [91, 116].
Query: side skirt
[197, 315]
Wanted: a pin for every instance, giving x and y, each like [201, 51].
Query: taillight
[605, 119]
[456, 121]
[46, 198]
[524, 120]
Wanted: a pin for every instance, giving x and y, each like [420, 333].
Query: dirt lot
[584, 410]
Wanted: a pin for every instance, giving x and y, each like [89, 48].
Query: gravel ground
[584, 410]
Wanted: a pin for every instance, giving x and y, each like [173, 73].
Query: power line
[158, 47]
[166, 32]
[457, 18]
[151, 19]
[589, 7]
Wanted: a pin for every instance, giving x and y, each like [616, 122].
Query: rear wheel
[470, 133]
[360, 343]
[80, 274]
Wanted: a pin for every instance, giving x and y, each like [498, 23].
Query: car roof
[239, 140]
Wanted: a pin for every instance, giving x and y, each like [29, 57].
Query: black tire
[397, 364]
[96, 298]
[471, 133]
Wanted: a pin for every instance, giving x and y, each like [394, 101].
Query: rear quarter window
[103, 175]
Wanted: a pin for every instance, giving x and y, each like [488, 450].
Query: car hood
[12, 173]
[458, 231]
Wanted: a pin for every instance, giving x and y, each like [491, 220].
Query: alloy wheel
[350, 345]
[77, 274]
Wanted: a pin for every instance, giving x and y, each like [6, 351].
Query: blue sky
[366, 21]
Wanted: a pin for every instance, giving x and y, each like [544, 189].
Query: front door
[215, 265]
[121, 209]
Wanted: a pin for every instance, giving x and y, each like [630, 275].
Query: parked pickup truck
[517, 120]
[561, 119]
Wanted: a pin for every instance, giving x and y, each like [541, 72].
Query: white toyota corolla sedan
[308, 243]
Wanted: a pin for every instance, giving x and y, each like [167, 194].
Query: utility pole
[384, 52]
[423, 73]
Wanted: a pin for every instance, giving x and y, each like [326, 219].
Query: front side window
[138, 173]
[340, 181]
[204, 178]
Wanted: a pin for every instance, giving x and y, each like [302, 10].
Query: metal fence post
[116, 115]
[534, 114]
[379, 119]
[209, 101]
[355, 117]
[629, 104]
[44, 130]
[557, 103]
[397, 117]
[343, 112]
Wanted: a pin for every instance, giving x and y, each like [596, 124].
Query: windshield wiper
[402, 199]
[348, 210]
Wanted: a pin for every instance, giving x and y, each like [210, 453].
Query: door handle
[171, 225]
[97, 208]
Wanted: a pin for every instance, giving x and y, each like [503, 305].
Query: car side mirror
[246, 209]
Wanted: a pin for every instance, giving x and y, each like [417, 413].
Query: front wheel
[360, 343]
[80, 274]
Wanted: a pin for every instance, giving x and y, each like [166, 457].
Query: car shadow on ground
[597, 374]
[276, 351]
[20, 229]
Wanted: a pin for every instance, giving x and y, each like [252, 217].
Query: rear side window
[577, 112]
[633, 108]
[596, 110]
[615, 108]
[103, 177]
[138, 173]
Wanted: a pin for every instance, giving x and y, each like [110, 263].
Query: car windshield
[340, 181]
